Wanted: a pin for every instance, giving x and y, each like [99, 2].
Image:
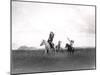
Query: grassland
[32, 61]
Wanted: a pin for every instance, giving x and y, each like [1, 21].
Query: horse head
[42, 43]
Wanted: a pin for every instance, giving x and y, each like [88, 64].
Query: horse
[69, 48]
[58, 46]
[47, 46]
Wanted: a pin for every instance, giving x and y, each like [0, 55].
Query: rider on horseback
[50, 39]
[70, 46]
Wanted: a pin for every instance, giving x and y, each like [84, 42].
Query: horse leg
[73, 51]
[47, 51]
[54, 50]
[68, 52]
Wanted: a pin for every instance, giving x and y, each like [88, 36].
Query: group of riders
[68, 46]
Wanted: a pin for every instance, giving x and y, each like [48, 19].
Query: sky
[32, 22]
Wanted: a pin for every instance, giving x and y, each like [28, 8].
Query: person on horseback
[70, 45]
[50, 39]
[58, 47]
[71, 42]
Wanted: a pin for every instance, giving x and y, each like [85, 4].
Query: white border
[5, 38]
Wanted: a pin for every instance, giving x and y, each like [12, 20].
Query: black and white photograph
[52, 37]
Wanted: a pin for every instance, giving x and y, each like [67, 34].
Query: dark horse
[69, 48]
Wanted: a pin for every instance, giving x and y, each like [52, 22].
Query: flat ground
[36, 61]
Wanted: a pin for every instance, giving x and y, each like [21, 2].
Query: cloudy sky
[32, 22]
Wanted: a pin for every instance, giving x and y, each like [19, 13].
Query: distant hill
[26, 48]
